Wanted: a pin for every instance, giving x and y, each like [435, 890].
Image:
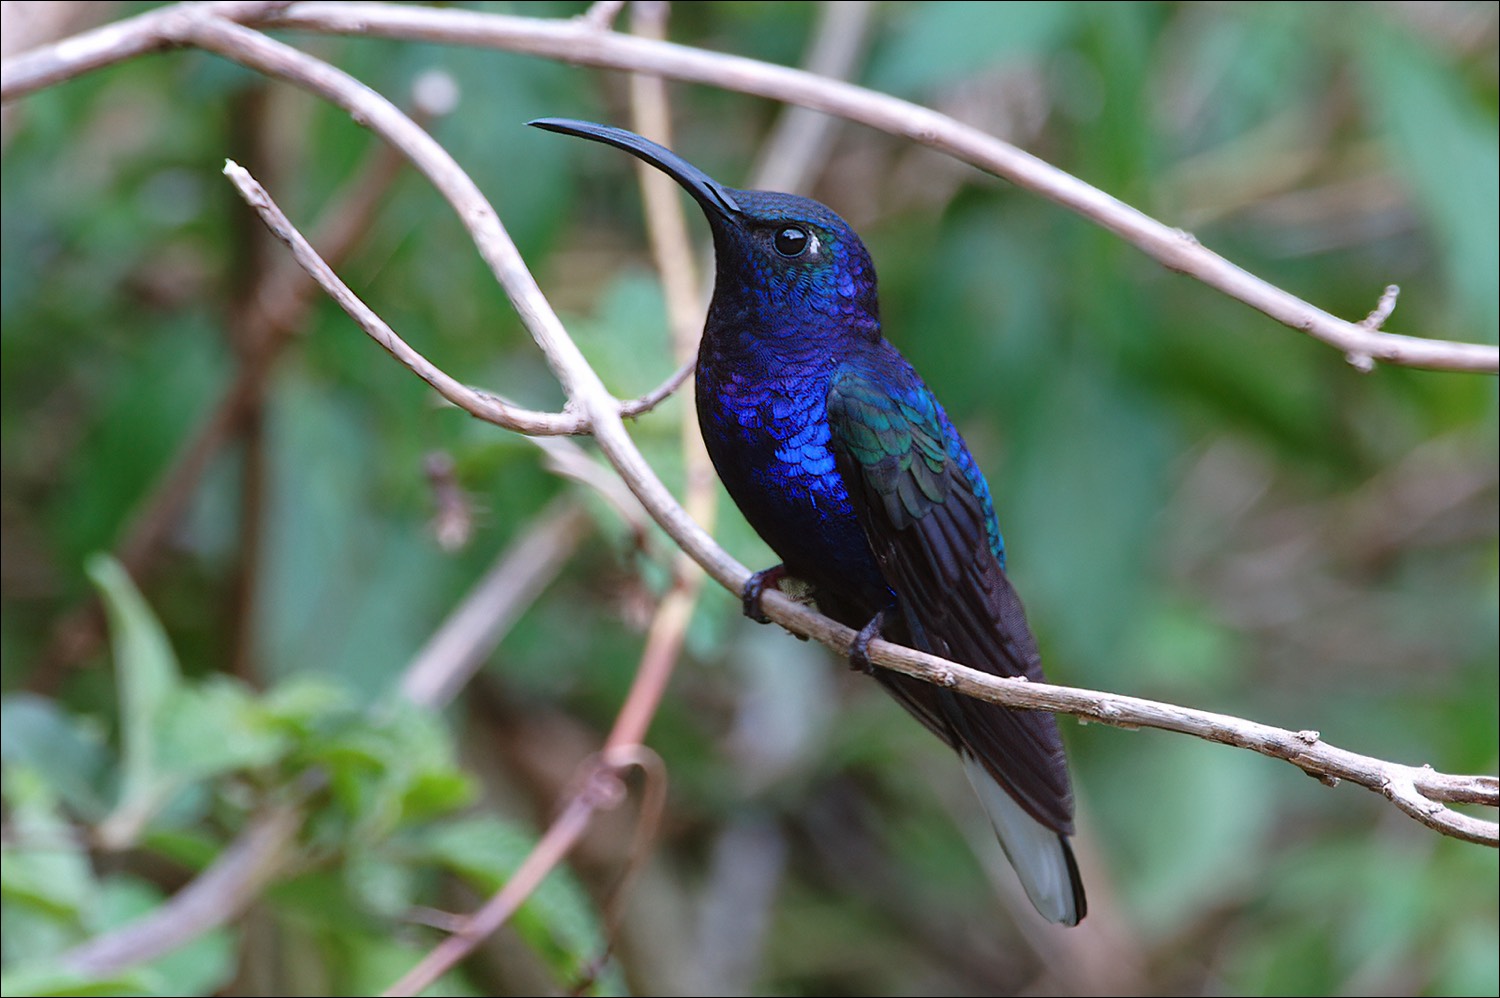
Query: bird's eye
[792, 241]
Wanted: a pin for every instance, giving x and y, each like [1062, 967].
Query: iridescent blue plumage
[843, 461]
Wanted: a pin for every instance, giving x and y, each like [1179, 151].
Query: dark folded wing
[929, 520]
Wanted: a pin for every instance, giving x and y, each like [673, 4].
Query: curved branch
[455, 651]
[586, 41]
[581, 42]
[143, 34]
[212, 26]
[235, 879]
[587, 392]
[667, 228]
[659, 394]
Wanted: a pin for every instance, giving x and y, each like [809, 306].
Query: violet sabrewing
[846, 465]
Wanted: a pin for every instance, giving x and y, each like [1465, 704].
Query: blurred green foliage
[1201, 506]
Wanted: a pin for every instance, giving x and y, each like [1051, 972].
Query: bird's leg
[859, 648]
[756, 587]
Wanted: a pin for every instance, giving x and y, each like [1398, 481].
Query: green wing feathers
[927, 516]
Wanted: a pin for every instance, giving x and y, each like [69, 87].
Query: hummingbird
[842, 459]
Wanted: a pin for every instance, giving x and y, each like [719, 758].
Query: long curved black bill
[707, 191]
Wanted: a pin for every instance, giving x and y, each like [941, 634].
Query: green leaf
[302, 703]
[43, 980]
[388, 767]
[380, 884]
[194, 847]
[558, 921]
[69, 755]
[147, 676]
[46, 882]
[216, 727]
[46, 863]
[436, 792]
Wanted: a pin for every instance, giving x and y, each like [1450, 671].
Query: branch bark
[588, 41]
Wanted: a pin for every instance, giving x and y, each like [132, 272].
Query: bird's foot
[859, 648]
[756, 588]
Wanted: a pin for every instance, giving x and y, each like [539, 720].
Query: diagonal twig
[671, 248]
[587, 41]
[582, 42]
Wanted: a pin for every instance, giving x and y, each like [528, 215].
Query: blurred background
[1201, 506]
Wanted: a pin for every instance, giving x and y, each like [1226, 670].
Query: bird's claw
[755, 588]
[859, 648]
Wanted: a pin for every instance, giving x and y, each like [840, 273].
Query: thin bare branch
[482, 405]
[602, 13]
[648, 823]
[671, 247]
[659, 394]
[220, 893]
[255, 50]
[457, 649]
[623, 748]
[1383, 308]
[569, 460]
[582, 41]
[799, 143]
[555, 844]
[600, 789]
[152, 31]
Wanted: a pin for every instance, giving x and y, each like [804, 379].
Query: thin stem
[584, 41]
[799, 143]
[457, 649]
[671, 247]
[580, 42]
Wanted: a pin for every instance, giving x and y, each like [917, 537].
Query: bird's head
[778, 257]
